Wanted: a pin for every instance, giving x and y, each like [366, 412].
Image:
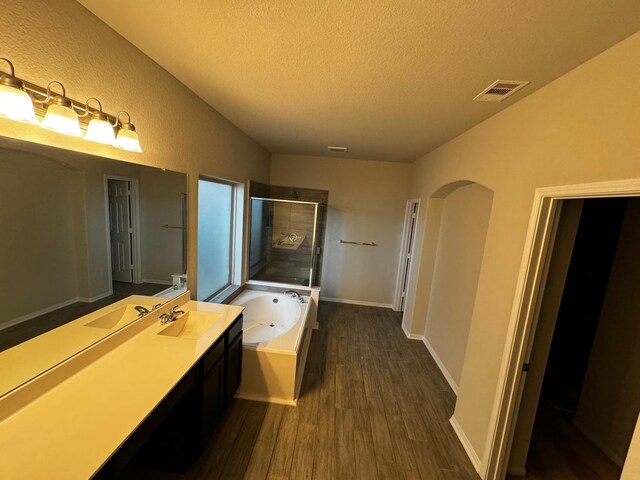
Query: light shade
[16, 104]
[100, 131]
[127, 139]
[62, 119]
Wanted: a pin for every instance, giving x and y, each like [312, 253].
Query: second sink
[190, 325]
[116, 319]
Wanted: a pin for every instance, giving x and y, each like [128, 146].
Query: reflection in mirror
[79, 233]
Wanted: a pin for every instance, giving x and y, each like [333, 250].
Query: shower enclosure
[282, 241]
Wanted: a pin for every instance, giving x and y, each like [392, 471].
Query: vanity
[150, 393]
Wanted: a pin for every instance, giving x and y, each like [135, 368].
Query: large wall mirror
[79, 232]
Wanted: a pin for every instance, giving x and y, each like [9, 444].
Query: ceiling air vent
[337, 149]
[500, 89]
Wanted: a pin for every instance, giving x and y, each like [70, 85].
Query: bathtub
[276, 334]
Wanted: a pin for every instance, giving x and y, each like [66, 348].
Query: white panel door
[120, 230]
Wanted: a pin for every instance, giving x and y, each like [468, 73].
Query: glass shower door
[282, 241]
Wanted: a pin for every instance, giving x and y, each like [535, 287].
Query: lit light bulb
[61, 118]
[100, 130]
[127, 138]
[15, 103]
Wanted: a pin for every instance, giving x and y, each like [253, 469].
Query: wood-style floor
[560, 452]
[21, 332]
[373, 405]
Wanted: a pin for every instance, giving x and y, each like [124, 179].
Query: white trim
[356, 302]
[602, 446]
[100, 296]
[411, 336]
[452, 383]
[403, 268]
[528, 290]
[466, 444]
[260, 398]
[37, 313]
[436, 358]
[52, 308]
[279, 286]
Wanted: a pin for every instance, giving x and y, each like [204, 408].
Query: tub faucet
[171, 316]
[293, 294]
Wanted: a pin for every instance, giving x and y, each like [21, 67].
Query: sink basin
[191, 325]
[116, 319]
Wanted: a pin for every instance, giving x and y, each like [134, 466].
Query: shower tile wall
[291, 262]
[287, 264]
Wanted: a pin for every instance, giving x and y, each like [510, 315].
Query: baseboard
[259, 398]
[411, 336]
[610, 454]
[466, 444]
[443, 369]
[37, 313]
[51, 308]
[356, 302]
[95, 298]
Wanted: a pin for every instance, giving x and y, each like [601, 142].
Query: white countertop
[21, 363]
[73, 429]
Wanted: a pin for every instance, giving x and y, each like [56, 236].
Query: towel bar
[367, 244]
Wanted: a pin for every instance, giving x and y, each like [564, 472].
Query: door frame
[135, 222]
[529, 290]
[408, 236]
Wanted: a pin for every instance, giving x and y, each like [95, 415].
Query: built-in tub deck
[277, 332]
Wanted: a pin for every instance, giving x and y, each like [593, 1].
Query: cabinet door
[173, 444]
[212, 398]
[234, 367]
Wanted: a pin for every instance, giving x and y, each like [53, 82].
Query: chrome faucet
[294, 294]
[144, 310]
[171, 316]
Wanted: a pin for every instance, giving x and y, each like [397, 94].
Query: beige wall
[97, 275]
[610, 398]
[39, 258]
[581, 128]
[161, 204]
[463, 230]
[177, 129]
[632, 465]
[367, 200]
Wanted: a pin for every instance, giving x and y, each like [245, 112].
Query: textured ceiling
[392, 80]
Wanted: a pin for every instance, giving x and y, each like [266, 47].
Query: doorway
[406, 254]
[580, 404]
[618, 344]
[122, 231]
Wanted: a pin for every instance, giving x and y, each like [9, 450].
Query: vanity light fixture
[127, 138]
[99, 129]
[15, 103]
[60, 116]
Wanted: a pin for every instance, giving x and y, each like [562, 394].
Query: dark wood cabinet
[164, 441]
[233, 360]
[234, 367]
[212, 394]
[175, 432]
